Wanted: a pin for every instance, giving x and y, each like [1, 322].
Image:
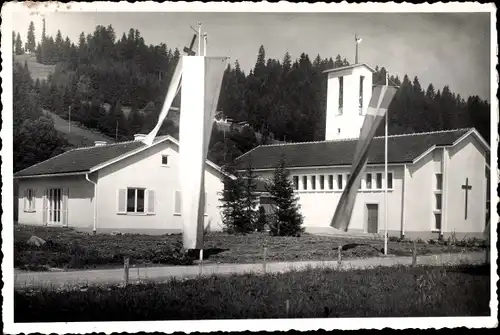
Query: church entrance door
[372, 218]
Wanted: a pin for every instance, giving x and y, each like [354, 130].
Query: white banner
[173, 89]
[201, 83]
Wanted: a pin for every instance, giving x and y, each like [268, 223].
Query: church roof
[90, 159]
[348, 67]
[402, 149]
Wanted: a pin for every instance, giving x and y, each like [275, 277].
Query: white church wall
[420, 200]
[467, 160]
[145, 170]
[318, 205]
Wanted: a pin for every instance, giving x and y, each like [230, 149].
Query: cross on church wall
[466, 188]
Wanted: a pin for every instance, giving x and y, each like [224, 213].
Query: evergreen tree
[287, 219]
[262, 220]
[44, 36]
[249, 199]
[233, 214]
[19, 45]
[287, 63]
[31, 44]
[260, 65]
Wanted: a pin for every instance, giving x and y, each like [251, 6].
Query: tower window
[341, 92]
[361, 80]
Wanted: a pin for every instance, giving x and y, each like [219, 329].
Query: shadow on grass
[349, 246]
[206, 252]
[480, 270]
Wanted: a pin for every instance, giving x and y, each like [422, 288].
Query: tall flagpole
[386, 173]
[199, 38]
[205, 44]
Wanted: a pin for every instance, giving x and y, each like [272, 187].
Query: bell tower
[348, 94]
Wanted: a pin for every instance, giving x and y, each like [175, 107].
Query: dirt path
[115, 276]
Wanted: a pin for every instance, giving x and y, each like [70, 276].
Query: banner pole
[386, 214]
[199, 38]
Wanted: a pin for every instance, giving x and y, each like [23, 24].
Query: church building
[438, 182]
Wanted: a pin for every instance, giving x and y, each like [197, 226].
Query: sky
[443, 48]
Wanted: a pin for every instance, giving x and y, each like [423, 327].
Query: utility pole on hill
[116, 132]
[69, 119]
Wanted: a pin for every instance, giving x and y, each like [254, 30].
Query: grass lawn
[70, 249]
[37, 70]
[380, 292]
[78, 136]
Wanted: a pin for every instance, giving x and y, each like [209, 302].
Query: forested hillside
[101, 73]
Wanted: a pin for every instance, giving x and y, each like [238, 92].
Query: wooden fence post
[414, 258]
[340, 256]
[288, 308]
[264, 260]
[126, 263]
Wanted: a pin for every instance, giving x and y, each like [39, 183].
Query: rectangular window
[438, 197]
[341, 94]
[369, 181]
[304, 182]
[313, 182]
[29, 200]
[389, 180]
[177, 203]
[379, 181]
[439, 181]
[164, 160]
[340, 184]
[322, 182]
[296, 182]
[330, 182]
[437, 221]
[135, 200]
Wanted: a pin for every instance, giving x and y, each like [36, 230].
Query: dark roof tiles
[401, 149]
[81, 159]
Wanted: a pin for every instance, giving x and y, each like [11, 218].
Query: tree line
[101, 74]
[35, 138]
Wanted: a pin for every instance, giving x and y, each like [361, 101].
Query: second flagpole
[386, 173]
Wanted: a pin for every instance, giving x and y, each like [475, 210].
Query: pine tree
[19, 45]
[233, 214]
[31, 44]
[43, 31]
[262, 220]
[260, 65]
[287, 219]
[249, 199]
[287, 63]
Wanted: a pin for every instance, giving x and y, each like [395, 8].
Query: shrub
[394, 239]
